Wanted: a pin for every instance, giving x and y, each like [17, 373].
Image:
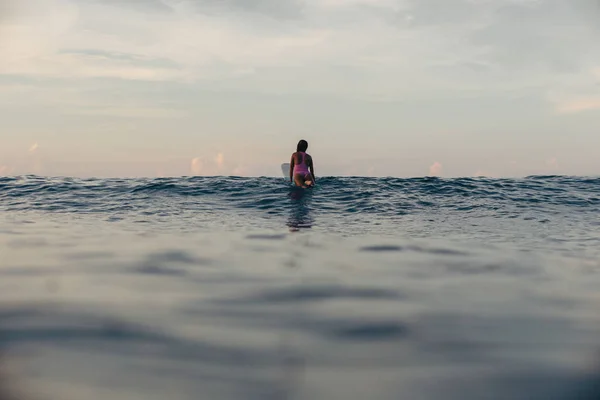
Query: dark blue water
[233, 288]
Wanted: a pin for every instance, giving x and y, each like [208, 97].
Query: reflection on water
[300, 212]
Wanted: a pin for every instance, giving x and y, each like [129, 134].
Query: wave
[393, 196]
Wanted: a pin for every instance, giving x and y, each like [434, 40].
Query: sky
[405, 88]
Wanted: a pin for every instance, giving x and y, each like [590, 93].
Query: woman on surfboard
[302, 171]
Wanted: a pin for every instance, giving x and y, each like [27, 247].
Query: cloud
[7, 8]
[552, 163]
[128, 112]
[122, 43]
[39, 45]
[5, 170]
[578, 105]
[197, 166]
[220, 160]
[288, 9]
[143, 5]
[415, 48]
[215, 39]
[209, 166]
[106, 60]
[435, 169]
[36, 166]
[575, 93]
[241, 170]
[212, 166]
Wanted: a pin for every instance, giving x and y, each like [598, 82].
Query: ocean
[246, 288]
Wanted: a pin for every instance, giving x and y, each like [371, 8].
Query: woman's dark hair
[302, 146]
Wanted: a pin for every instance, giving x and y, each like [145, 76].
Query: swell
[382, 196]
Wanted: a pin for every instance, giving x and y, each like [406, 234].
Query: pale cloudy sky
[377, 87]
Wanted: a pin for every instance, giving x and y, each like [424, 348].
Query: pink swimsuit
[301, 168]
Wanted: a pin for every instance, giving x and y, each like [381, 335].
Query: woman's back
[301, 162]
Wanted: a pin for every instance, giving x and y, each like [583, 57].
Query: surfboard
[285, 170]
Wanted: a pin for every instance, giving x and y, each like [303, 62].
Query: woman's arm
[292, 168]
[311, 167]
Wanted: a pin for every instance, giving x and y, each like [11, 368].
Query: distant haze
[228, 87]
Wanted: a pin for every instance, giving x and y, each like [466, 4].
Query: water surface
[231, 288]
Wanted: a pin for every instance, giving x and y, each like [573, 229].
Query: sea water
[359, 288]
